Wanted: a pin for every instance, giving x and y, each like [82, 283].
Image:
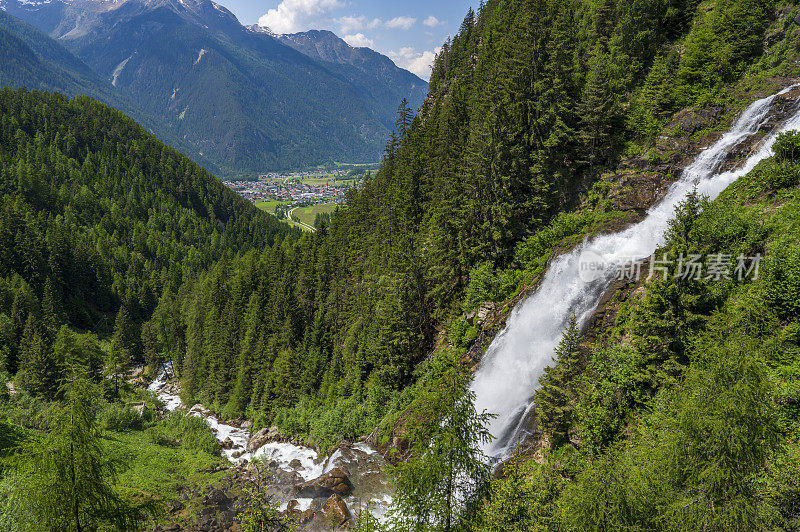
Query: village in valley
[301, 197]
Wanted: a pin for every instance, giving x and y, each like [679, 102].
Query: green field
[308, 215]
[269, 206]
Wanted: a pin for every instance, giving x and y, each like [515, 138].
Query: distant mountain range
[238, 100]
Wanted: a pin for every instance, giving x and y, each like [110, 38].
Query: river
[364, 466]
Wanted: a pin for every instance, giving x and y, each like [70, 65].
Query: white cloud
[354, 23]
[404, 23]
[350, 24]
[432, 22]
[419, 63]
[298, 15]
[359, 40]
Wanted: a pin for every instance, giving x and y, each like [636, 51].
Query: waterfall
[513, 363]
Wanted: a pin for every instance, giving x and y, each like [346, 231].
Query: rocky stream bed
[319, 492]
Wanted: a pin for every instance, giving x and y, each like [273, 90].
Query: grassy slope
[165, 473]
[176, 472]
[308, 215]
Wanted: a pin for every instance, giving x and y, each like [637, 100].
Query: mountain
[32, 59]
[242, 99]
[364, 67]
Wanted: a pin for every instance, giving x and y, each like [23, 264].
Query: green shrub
[119, 418]
[190, 432]
[159, 436]
[4, 377]
[487, 284]
[785, 174]
[26, 410]
[787, 146]
[461, 333]
[782, 282]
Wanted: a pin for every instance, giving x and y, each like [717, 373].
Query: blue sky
[409, 32]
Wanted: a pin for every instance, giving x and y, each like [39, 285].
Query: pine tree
[62, 481]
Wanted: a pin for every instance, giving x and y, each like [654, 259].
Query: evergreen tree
[49, 311]
[124, 344]
[446, 470]
[62, 481]
[555, 396]
[39, 372]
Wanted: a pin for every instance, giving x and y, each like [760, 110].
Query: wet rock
[201, 410]
[306, 517]
[299, 517]
[286, 478]
[296, 464]
[263, 437]
[336, 510]
[334, 482]
[237, 454]
[227, 444]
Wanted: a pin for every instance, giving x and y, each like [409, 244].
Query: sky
[409, 32]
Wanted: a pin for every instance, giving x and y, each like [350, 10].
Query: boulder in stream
[334, 482]
[262, 437]
[337, 511]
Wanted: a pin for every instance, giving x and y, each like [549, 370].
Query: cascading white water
[513, 363]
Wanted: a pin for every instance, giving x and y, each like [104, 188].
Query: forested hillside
[532, 102]
[99, 222]
[535, 106]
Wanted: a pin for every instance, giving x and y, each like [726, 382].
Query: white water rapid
[517, 357]
[362, 463]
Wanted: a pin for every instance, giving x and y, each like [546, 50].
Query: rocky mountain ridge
[241, 101]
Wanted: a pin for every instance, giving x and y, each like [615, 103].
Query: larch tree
[62, 480]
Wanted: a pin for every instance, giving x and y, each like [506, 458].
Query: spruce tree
[555, 395]
[38, 372]
[123, 345]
